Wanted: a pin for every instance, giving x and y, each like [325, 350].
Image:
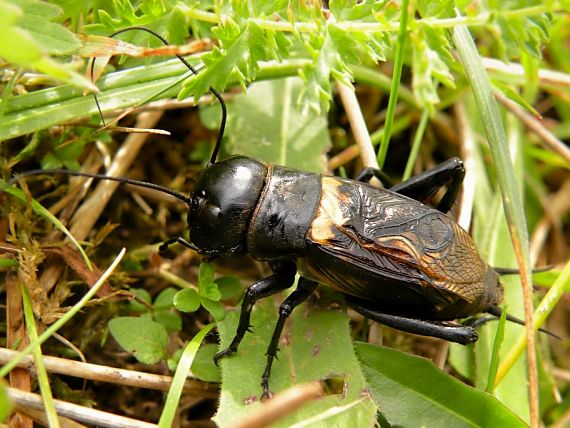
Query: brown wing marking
[330, 214]
[385, 225]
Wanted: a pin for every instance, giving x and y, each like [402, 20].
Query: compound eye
[195, 203]
[197, 197]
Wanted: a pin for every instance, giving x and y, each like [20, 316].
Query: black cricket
[396, 260]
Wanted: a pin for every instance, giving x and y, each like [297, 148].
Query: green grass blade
[48, 332]
[494, 365]
[173, 397]
[418, 137]
[541, 313]
[43, 380]
[38, 110]
[510, 192]
[398, 62]
[41, 109]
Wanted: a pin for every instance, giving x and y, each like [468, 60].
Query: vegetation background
[430, 80]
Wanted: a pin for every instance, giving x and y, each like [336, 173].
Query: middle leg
[304, 289]
[283, 278]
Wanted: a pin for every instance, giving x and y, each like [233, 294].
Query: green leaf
[265, 124]
[230, 287]
[327, 63]
[40, 8]
[53, 37]
[6, 262]
[22, 49]
[351, 10]
[165, 298]
[205, 274]
[135, 305]
[236, 57]
[547, 279]
[519, 33]
[207, 288]
[187, 300]
[214, 307]
[315, 344]
[358, 47]
[412, 392]
[203, 366]
[32, 38]
[210, 291]
[169, 320]
[172, 362]
[73, 11]
[494, 365]
[431, 54]
[144, 338]
[433, 9]
[514, 96]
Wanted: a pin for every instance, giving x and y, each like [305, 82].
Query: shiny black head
[222, 205]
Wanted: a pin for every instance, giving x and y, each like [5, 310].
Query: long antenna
[496, 311]
[193, 70]
[516, 271]
[138, 183]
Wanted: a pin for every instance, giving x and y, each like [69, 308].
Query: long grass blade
[512, 203]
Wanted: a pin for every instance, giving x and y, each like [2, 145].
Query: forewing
[397, 238]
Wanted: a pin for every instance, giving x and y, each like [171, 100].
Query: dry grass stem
[556, 207]
[533, 124]
[343, 157]
[358, 125]
[98, 418]
[282, 404]
[40, 418]
[112, 374]
[468, 149]
[545, 77]
[88, 213]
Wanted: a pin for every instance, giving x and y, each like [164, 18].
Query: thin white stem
[111, 374]
[358, 125]
[75, 412]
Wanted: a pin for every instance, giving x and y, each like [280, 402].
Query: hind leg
[444, 330]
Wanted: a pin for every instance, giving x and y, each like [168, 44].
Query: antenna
[497, 312]
[193, 70]
[138, 183]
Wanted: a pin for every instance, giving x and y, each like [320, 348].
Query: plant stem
[512, 203]
[375, 27]
[398, 63]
